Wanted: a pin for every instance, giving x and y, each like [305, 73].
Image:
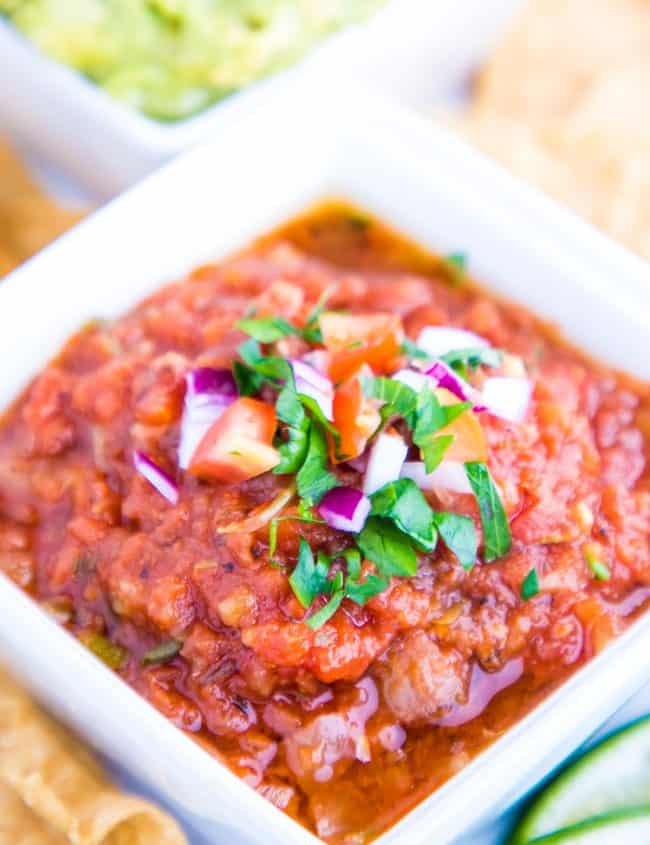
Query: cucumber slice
[611, 776]
[626, 827]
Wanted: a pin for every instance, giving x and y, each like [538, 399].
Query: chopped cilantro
[293, 450]
[412, 350]
[530, 585]
[312, 332]
[399, 399]
[402, 502]
[314, 479]
[471, 358]
[388, 548]
[266, 329]
[496, 530]
[459, 535]
[318, 619]
[362, 591]
[309, 578]
[269, 368]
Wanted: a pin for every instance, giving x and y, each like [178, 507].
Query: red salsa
[334, 511]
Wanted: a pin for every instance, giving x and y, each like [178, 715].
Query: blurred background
[94, 95]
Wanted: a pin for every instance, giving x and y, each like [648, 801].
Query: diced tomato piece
[469, 442]
[355, 418]
[238, 446]
[355, 340]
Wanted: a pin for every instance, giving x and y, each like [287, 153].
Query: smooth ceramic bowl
[214, 200]
[411, 48]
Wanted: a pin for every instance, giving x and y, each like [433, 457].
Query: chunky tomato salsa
[334, 511]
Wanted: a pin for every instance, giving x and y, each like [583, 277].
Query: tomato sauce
[347, 727]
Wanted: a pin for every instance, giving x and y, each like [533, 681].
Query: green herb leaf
[399, 399]
[162, 653]
[473, 357]
[110, 653]
[266, 329]
[459, 536]
[362, 591]
[293, 450]
[314, 479]
[412, 350]
[389, 549]
[352, 558]
[530, 585]
[598, 568]
[432, 415]
[271, 368]
[312, 332]
[308, 579]
[317, 414]
[249, 383]
[403, 503]
[496, 530]
[433, 450]
[318, 619]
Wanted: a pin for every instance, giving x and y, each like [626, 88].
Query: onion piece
[314, 384]
[439, 340]
[387, 455]
[209, 391]
[156, 476]
[450, 475]
[507, 397]
[345, 508]
[260, 515]
[445, 377]
[414, 379]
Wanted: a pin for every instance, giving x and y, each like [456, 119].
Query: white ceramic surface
[412, 49]
[272, 163]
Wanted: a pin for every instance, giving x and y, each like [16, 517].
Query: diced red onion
[507, 397]
[345, 509]
[156, 476]
[312, 383]
[445, 377]
[204, 382]
[208, 393]
[439, 340]
[387, 455]
[449, 475]
[319, 359]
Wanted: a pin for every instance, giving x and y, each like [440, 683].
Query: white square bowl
[411, 48]
[214, 200]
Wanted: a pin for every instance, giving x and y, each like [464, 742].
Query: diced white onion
[439, 340]
[449, 475]
[387, 455]
[507, 397]
[414, 379]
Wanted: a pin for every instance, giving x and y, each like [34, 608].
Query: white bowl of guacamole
[170, 59]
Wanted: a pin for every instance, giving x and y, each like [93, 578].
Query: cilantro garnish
[309, 578]
[431, 417]
[269, 368]
[312, 332]
[403, 504]
[318, 619]
[388, 548]
[530, 585]
[496, 530]
[399, 399]
[598, 568]
[266, 329]
[459, 535]
[470, 359]
[293, 450]
[314, 479]
[412, 350]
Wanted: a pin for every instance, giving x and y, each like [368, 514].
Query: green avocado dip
[172, 58]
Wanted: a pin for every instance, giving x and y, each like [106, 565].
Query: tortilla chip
[555, 52]
[59, 780]
[20, 826]
[601, 175]
[29, 220]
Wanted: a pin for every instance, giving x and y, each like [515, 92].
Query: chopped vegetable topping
[530, 585]
[598, 568]
[496, 531]
[162, 653]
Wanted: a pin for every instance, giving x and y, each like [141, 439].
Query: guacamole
[172, 58]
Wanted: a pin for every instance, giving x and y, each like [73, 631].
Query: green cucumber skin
[531, 825]
[633, 821]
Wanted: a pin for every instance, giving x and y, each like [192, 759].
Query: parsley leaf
[433, 450]
[249, 383]
[496, 530]
[432, 416]
[270, 368]
[316, 413]
[530, 585]
[389, 549]
[459, 536]
[314, 479]
[309, 578]
[266, 329]
[403, 503]
[293, 450]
